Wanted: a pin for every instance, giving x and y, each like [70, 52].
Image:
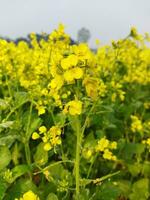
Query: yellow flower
[29, 196]
[52, 138]
[74, 107]
[73, 59]
[45, 138]
[147, 105]
[77, 73]
[134, 34]
[41, 109]
[91, 86]
[113, 97]
[102, 144]
[143, 141]
[113, 145]
[107, 154]
[57, 82]
[35, 136]
[68, 62]
[65, 64]
[68, 76]
[87, 153]
[114, 158]
[136, 124]
[47, 146]
[148, 141]
[42, 129]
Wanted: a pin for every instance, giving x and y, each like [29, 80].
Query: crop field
[75, 123]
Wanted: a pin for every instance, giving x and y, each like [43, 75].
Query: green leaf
[134, 169]
[125, 187]
[19, 188]
[84, 194]
[60, 119]
[19, 170]
[36, 121]
[21, 98]
[90, 140]
[140, 190]
[8, 140]
[41, 156]
[3, 187]
[146, 169]
[108, 191]
[6, 124]
[130, 149]
[52, 196]
[5, 157]
[3, 104]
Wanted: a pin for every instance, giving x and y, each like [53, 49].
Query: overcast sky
[106, 19]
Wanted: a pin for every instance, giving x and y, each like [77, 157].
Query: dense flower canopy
[69, 115]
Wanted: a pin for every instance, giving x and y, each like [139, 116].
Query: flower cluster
[104, 146]
[147, 142]
[136, 125]
[50, 138]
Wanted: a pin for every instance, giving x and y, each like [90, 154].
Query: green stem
[27, 153]
[51, 165]
[79, 134]
[27, 147]
[77, 161]
[91, 165]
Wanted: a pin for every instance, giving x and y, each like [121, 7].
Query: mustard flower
[29, 196]
[73, 107]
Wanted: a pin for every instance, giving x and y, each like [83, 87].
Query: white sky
[106, 19]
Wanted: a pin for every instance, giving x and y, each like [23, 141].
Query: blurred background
[84, 19]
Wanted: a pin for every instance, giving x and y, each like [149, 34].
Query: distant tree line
[28, 39]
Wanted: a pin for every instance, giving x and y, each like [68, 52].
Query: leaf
[5, 157]
[107, 191]
[19, 188]
[41, 156]
[84, 194]
[140, 190]
[19, 170]
[90, 140]
[3, 104]
[35, 122]
[130, 149]
[6, 124]
[146, 169]
[3, 188]
[134, 169]
[8, 140]
[125, 187]
[60, 119]
[21, 98]
[52, 196]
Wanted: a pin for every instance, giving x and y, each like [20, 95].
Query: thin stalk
[51, 165]
[77, 161]
[91, 165]
[79, 134]
[27, 147]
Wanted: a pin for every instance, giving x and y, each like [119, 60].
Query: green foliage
[5, 157]
[140, 190]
